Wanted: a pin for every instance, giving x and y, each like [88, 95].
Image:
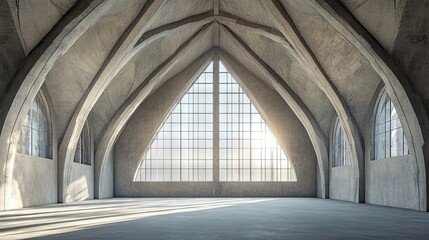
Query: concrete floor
[215, 218]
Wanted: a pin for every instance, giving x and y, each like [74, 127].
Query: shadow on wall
[34, 182]
[78, 190]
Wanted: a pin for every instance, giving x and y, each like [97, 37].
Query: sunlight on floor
[55, 219]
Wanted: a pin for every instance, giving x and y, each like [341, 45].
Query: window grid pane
[183, 148]
[35, 136]
[341, 155]
[248, 151]
[388, 136]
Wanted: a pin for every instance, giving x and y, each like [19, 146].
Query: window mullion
[216, 119]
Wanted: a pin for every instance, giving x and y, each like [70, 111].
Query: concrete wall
[392, 182]
[34, 181]
[214, 189]
[81, 182]
[342, 183]
[137, 135]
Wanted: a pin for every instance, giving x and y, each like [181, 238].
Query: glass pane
[35, 136]
[246, 146]
[184, 142]
[341, 151]
[388, 135]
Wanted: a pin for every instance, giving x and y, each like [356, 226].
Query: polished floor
[219, 218]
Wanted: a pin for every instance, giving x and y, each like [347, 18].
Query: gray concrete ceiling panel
[200, 48]
[136, 71]
[250, 10]
[296, 76]
[34, 19]
[348, 70]
[111, 99]
[179, 9]
[77, 68]
[382, 18]
[11, 50]
[228, 46]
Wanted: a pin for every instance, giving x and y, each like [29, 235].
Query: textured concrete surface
[385, 180]
[381, 18]
[80, 182]
[11, 50]
[216, 218]
[34, 181]
[341, 183]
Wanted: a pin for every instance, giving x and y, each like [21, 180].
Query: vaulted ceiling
[100, 59]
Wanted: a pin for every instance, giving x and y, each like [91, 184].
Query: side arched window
[388, 139]
[36, 133]
[341, 150]
[84, 145]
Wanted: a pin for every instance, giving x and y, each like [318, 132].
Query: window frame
[43, 107]
[84, 153]
[383, 96]
[283, 172]
[340, 147]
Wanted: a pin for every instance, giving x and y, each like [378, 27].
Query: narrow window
[388, 139]
[36, 133]
[84, 153]
[341, 148]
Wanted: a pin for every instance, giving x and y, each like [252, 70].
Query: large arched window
[36, 133]
[184, 149]
[341, 149]
[84, 153]
[388, 139]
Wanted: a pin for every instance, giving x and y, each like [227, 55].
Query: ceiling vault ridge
[285, 24]
[112, 130]
[109, 69]
[216, 30]
[194, 20]
[206, 17]
[312, 127]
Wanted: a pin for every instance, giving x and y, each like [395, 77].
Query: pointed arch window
[341, 149]
[388, 139]
[184, 147]
[84, 148]
[36, 132]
